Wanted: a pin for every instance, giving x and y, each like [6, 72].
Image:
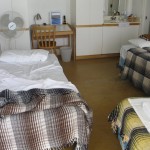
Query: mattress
[40, 109]
[24, 76]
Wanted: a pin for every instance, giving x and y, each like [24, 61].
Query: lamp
[37, 17]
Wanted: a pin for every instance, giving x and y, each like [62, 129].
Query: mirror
[112, 6]
[122, 6]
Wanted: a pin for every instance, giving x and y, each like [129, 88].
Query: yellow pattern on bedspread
[128, 126]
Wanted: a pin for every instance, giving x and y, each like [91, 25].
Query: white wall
[146, 21]
[73, 12]
[23, 41]
[28, 9]
[139, 8]
[44, 7]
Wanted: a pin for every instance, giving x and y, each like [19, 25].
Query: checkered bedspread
[137, 68]
[41, 119]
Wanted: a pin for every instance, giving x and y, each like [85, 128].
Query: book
[55, 18]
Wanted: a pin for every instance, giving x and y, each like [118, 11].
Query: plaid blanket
[127, 125]
[137, 68]
[41, 119]
[145, 36]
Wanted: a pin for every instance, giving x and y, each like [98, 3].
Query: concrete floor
[100, 85]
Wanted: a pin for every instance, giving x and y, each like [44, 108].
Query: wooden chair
[45, 37]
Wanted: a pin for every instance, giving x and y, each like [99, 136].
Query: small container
[66, 53]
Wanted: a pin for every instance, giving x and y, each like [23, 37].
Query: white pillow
[140, 42]
[24, 55]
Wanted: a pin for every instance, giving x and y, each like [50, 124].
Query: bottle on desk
[64, 19]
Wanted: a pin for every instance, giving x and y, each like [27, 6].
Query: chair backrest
[45, 36]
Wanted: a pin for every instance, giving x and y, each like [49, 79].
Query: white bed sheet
[25, 76]
[123, 53]
[137, 104]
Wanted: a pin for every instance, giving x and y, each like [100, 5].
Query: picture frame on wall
[55, 18]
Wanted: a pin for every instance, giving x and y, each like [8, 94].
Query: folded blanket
[41, 119]
[145, 36]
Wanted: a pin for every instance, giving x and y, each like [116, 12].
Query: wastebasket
[66, 53]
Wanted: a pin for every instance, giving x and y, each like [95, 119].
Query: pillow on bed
[140, 42]
[24, 55]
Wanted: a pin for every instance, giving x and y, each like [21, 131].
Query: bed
[141, 42]
[123, 54]
[137, 68]
[131, 123]
[39, 108]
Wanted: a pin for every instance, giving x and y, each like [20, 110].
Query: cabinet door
[88, 41]
[128, 33]
[111, 40]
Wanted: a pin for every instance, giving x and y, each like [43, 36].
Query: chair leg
[54, 51]
[51, 51]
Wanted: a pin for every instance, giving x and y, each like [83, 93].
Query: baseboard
[97, 56]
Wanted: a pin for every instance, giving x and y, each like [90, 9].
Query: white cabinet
[111, 40]
[92, 36]
[87, 17]
[114, 37]
[88, 41]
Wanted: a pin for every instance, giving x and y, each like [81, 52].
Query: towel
[146, 109]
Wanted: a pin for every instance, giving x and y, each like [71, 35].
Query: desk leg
[32, 45]
[73, 44]
[69, 42]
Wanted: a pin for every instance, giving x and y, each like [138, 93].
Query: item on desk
[44, 24]
[55, 18]
[64, 19]
[37, 17]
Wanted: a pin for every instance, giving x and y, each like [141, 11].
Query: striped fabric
[128, 126]
[145, 36]
[41, 119]
[137, 68]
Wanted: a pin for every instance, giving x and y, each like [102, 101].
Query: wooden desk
[62, 31]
